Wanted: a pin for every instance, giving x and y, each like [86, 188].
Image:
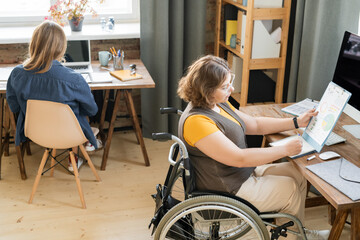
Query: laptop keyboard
[334, 139]
[80, 67]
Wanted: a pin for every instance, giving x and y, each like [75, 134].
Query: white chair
[54, 126]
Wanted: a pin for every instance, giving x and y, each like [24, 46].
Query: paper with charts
[330, 108]
[316, 133]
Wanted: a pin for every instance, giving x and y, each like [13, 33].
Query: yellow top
[197, 127]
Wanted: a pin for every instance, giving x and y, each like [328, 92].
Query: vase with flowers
[73, 11]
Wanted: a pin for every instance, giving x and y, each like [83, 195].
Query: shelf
[261, 13]
[238, 5]
[22, 34]
[269, 13]
[233, 50]
[251, 65]
[265, 63]
[236, 96]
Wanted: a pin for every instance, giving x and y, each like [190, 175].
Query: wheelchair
[183, 213]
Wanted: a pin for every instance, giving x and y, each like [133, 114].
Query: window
[26, 12]
[359, 25]
[121, 10]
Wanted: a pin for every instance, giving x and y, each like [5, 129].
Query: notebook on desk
[78, 56]
[319, 128]
[125, 75]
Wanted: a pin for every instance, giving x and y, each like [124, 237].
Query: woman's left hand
[303, 119]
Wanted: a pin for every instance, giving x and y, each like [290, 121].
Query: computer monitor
[347, 73]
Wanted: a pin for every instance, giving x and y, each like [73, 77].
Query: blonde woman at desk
[43, 77]
[214, 134]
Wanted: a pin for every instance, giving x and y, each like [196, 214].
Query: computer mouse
[328, 155]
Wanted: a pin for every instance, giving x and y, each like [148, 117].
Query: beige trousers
[276, 187]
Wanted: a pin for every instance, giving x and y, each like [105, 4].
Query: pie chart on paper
[328, 122]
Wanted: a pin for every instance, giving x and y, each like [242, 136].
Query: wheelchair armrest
[161, 136]
[168, 110]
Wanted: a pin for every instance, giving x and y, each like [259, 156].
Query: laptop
[78, 56]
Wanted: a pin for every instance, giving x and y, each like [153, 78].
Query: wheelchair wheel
[211, 217]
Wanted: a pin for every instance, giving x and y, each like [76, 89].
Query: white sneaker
[79, 162]
[317, 234]
[89, 147]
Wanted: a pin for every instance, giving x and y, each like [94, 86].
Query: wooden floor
[119, 207]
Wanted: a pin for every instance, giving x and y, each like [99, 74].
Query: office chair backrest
[52, 125]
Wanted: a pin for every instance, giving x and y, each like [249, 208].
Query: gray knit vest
[209, 173]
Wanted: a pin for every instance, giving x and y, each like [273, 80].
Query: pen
[119, 53]
[112, 52]
[310, 158]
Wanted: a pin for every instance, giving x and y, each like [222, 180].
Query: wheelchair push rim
[210, 217]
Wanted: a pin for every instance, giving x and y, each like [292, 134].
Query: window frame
[33, 20]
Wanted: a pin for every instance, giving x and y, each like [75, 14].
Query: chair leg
[53, 154]
[38, 176]
[86, 155]
[28, 149]
[77, 179]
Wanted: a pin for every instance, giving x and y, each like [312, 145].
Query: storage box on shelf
[261, 43]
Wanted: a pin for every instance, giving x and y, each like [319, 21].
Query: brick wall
[17, 53]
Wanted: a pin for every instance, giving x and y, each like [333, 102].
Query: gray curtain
[318, 33]
[172, 36]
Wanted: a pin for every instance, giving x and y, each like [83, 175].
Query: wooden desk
[349, 150]
[125, 88]
[120, 87]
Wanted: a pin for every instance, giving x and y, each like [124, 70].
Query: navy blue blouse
[59, 84]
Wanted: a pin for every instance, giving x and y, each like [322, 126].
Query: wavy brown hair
[48, 43]
[203, 77]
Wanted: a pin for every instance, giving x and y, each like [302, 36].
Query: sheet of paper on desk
[5, 72]
[98, 77]
[306, 148]
[299, 108]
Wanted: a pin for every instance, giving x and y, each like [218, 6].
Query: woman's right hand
[293, 147]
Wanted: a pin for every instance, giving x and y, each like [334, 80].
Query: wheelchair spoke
[212, 221]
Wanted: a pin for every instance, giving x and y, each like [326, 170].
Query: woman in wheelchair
[214, 134]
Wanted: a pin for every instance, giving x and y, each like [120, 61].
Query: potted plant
[73, 11]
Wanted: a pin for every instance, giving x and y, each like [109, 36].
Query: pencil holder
[119, 62]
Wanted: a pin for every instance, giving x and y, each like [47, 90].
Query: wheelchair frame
[176, 219]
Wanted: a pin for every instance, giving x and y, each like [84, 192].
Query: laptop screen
[77, 52]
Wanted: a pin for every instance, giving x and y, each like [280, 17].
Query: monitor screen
[347, 72]
[77, 51]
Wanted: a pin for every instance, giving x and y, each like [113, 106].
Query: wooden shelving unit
[253, 14]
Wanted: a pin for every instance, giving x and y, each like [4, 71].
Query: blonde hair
[203, 77]
[48, 43]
